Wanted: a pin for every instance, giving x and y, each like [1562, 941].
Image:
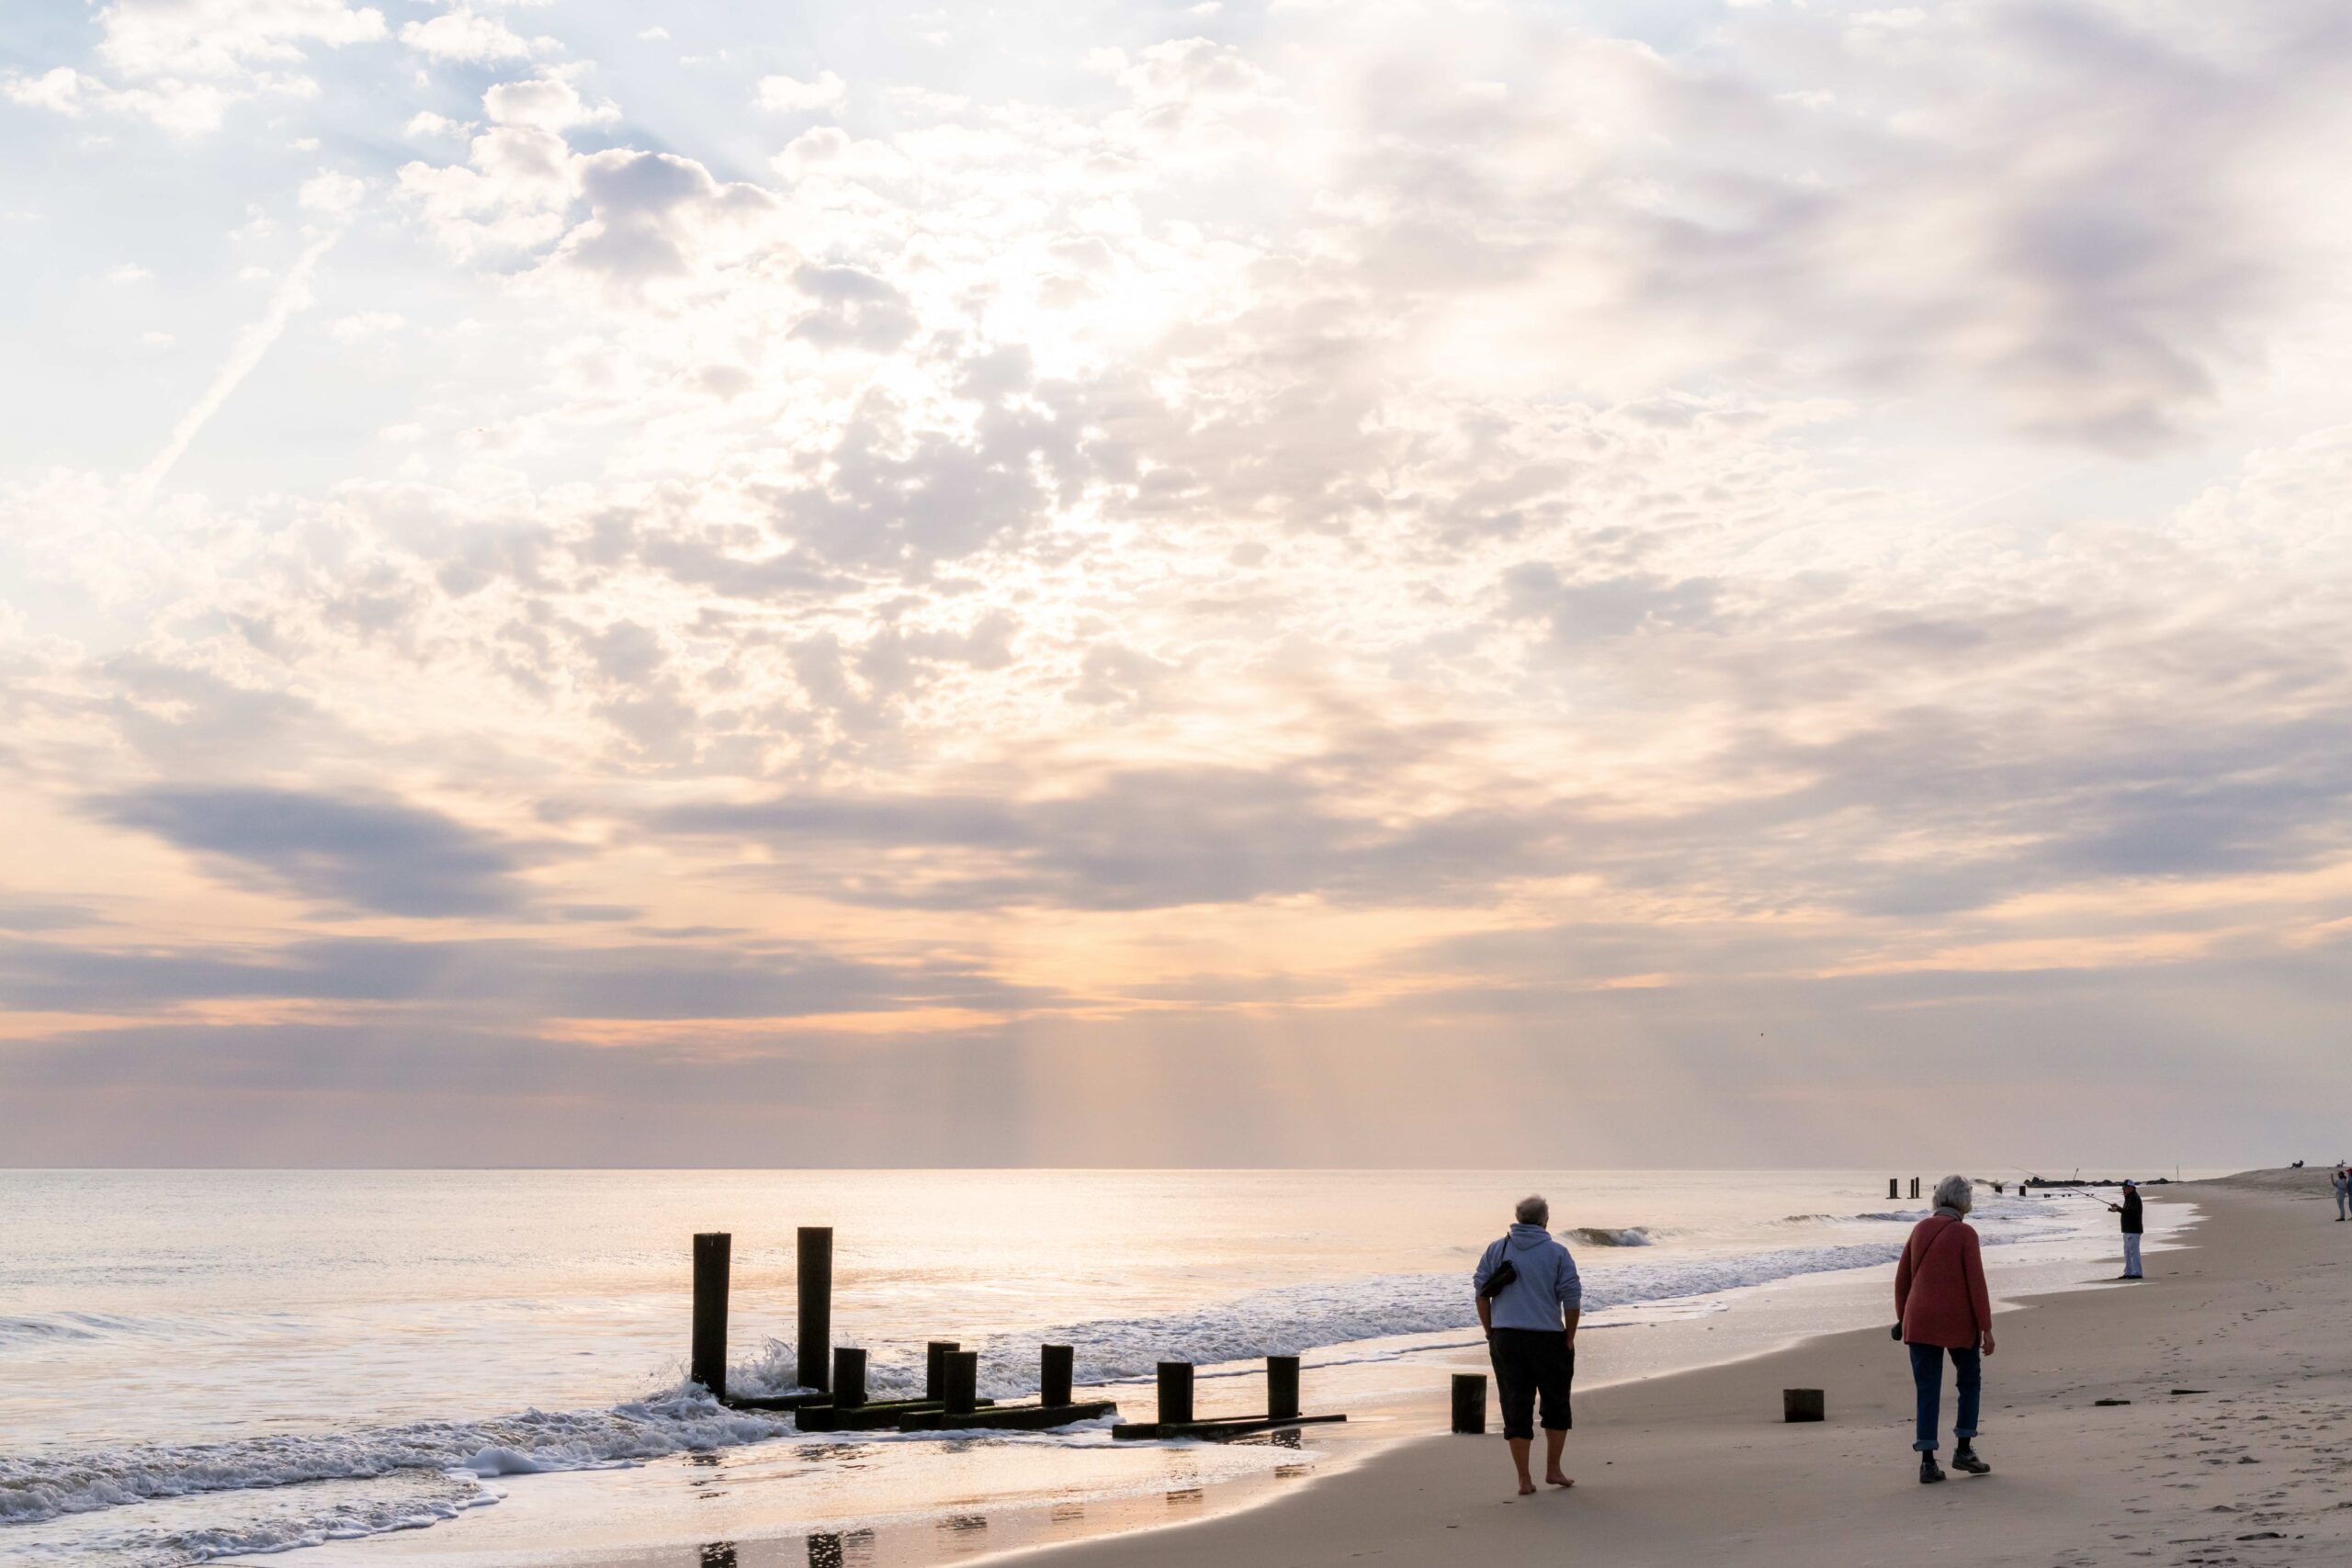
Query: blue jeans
[1927, 1372]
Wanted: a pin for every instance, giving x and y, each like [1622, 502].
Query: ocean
[201, 1365]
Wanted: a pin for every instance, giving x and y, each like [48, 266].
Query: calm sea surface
[203, 1364]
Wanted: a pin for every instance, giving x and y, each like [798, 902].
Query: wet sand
[2235, 1447]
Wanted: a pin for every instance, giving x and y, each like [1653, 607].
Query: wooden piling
[1914, 1187]
[1281, 1387]
[963, 1383]
[935, 1368]
[1891, 1192]
[1470, 1404]
[1055, 1365]
[1803, 1405]
[1175, 1392]
[849, 1378]
[814, 1277]
[707, 1361]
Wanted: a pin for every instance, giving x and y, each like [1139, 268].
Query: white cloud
[226, 38]
[127, 272]
[364, 324]
[424, 122]
[788, 95]
[549, 103]
[463, 34]
[331, 194]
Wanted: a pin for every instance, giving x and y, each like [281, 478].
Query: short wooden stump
[1470, 1402]
[1803, 1405]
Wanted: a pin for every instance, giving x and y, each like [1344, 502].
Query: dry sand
[2254, 1468]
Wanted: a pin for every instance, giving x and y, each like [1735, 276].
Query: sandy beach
[2229, 1450]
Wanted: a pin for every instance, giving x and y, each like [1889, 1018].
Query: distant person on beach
[2342, 1182]
[1529, 1317]
[2130, 1210]
[1944, 1308]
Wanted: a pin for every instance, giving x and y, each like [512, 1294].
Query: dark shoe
[1965, 1458]
[1929, 1472]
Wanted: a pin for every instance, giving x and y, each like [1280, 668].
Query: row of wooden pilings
[833, 1378]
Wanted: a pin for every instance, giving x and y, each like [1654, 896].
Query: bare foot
[1526, 1487]
[1557, 1479]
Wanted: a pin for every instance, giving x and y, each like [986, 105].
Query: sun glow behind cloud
[1005, 594]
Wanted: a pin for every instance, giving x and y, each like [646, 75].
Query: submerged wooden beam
[1222, 1428]
[866, 1417]
[776, 1400]
[1008, 1418]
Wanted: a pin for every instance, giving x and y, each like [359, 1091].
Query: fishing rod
[2071, 1191]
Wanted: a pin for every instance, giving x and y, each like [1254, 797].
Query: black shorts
[1528, 1363]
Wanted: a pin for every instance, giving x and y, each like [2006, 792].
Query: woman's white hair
[1534, 1210]
[1956, 1193]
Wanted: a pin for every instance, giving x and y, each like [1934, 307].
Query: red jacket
[1939, 1286]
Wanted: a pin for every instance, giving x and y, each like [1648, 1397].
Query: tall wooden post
[935, 1368]
[1281, 1387]
[849, 1378]
[1175, 1392]
[1470, 1404]
[1914, 1187]
[1891, 1191]
[814, 1348]
[707, 1363]
[963, 1381]
[1054, 1367]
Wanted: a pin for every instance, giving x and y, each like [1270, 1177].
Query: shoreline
[1409, 1401]
[1699, 1460]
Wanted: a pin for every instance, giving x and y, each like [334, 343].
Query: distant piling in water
[1175, 1379]
[707, 1363]
[1055, 1365]
[963, 1381]
[849, 1377]
[814, 1279]
[1281, 1387]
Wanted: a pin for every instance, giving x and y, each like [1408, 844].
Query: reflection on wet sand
[845, 1551]
[1188, 1497]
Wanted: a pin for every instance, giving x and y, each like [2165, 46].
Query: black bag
[1895, 1333]
[1506, 1275]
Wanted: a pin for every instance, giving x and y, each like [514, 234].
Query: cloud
[181, 64]
[511, 979]
[786, 95]
[461, 33]
[360, 853]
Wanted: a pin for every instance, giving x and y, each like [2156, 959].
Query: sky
[1695, 584]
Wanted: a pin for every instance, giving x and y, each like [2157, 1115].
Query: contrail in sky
[293, 293]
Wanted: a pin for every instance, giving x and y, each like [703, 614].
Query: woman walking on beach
[1940, 1296]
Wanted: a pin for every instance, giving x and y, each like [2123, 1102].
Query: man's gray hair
[1955, 1192]
[1534, 1210]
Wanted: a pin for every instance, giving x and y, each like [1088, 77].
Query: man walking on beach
[2130, 1210]
[1530, 1299]
[2342, 1182]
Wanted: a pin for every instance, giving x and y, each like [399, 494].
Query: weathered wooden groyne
[832, 1395]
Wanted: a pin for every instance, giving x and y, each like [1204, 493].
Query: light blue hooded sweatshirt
[1547, 1279]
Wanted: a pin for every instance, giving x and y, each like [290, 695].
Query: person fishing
[2130, 1210]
